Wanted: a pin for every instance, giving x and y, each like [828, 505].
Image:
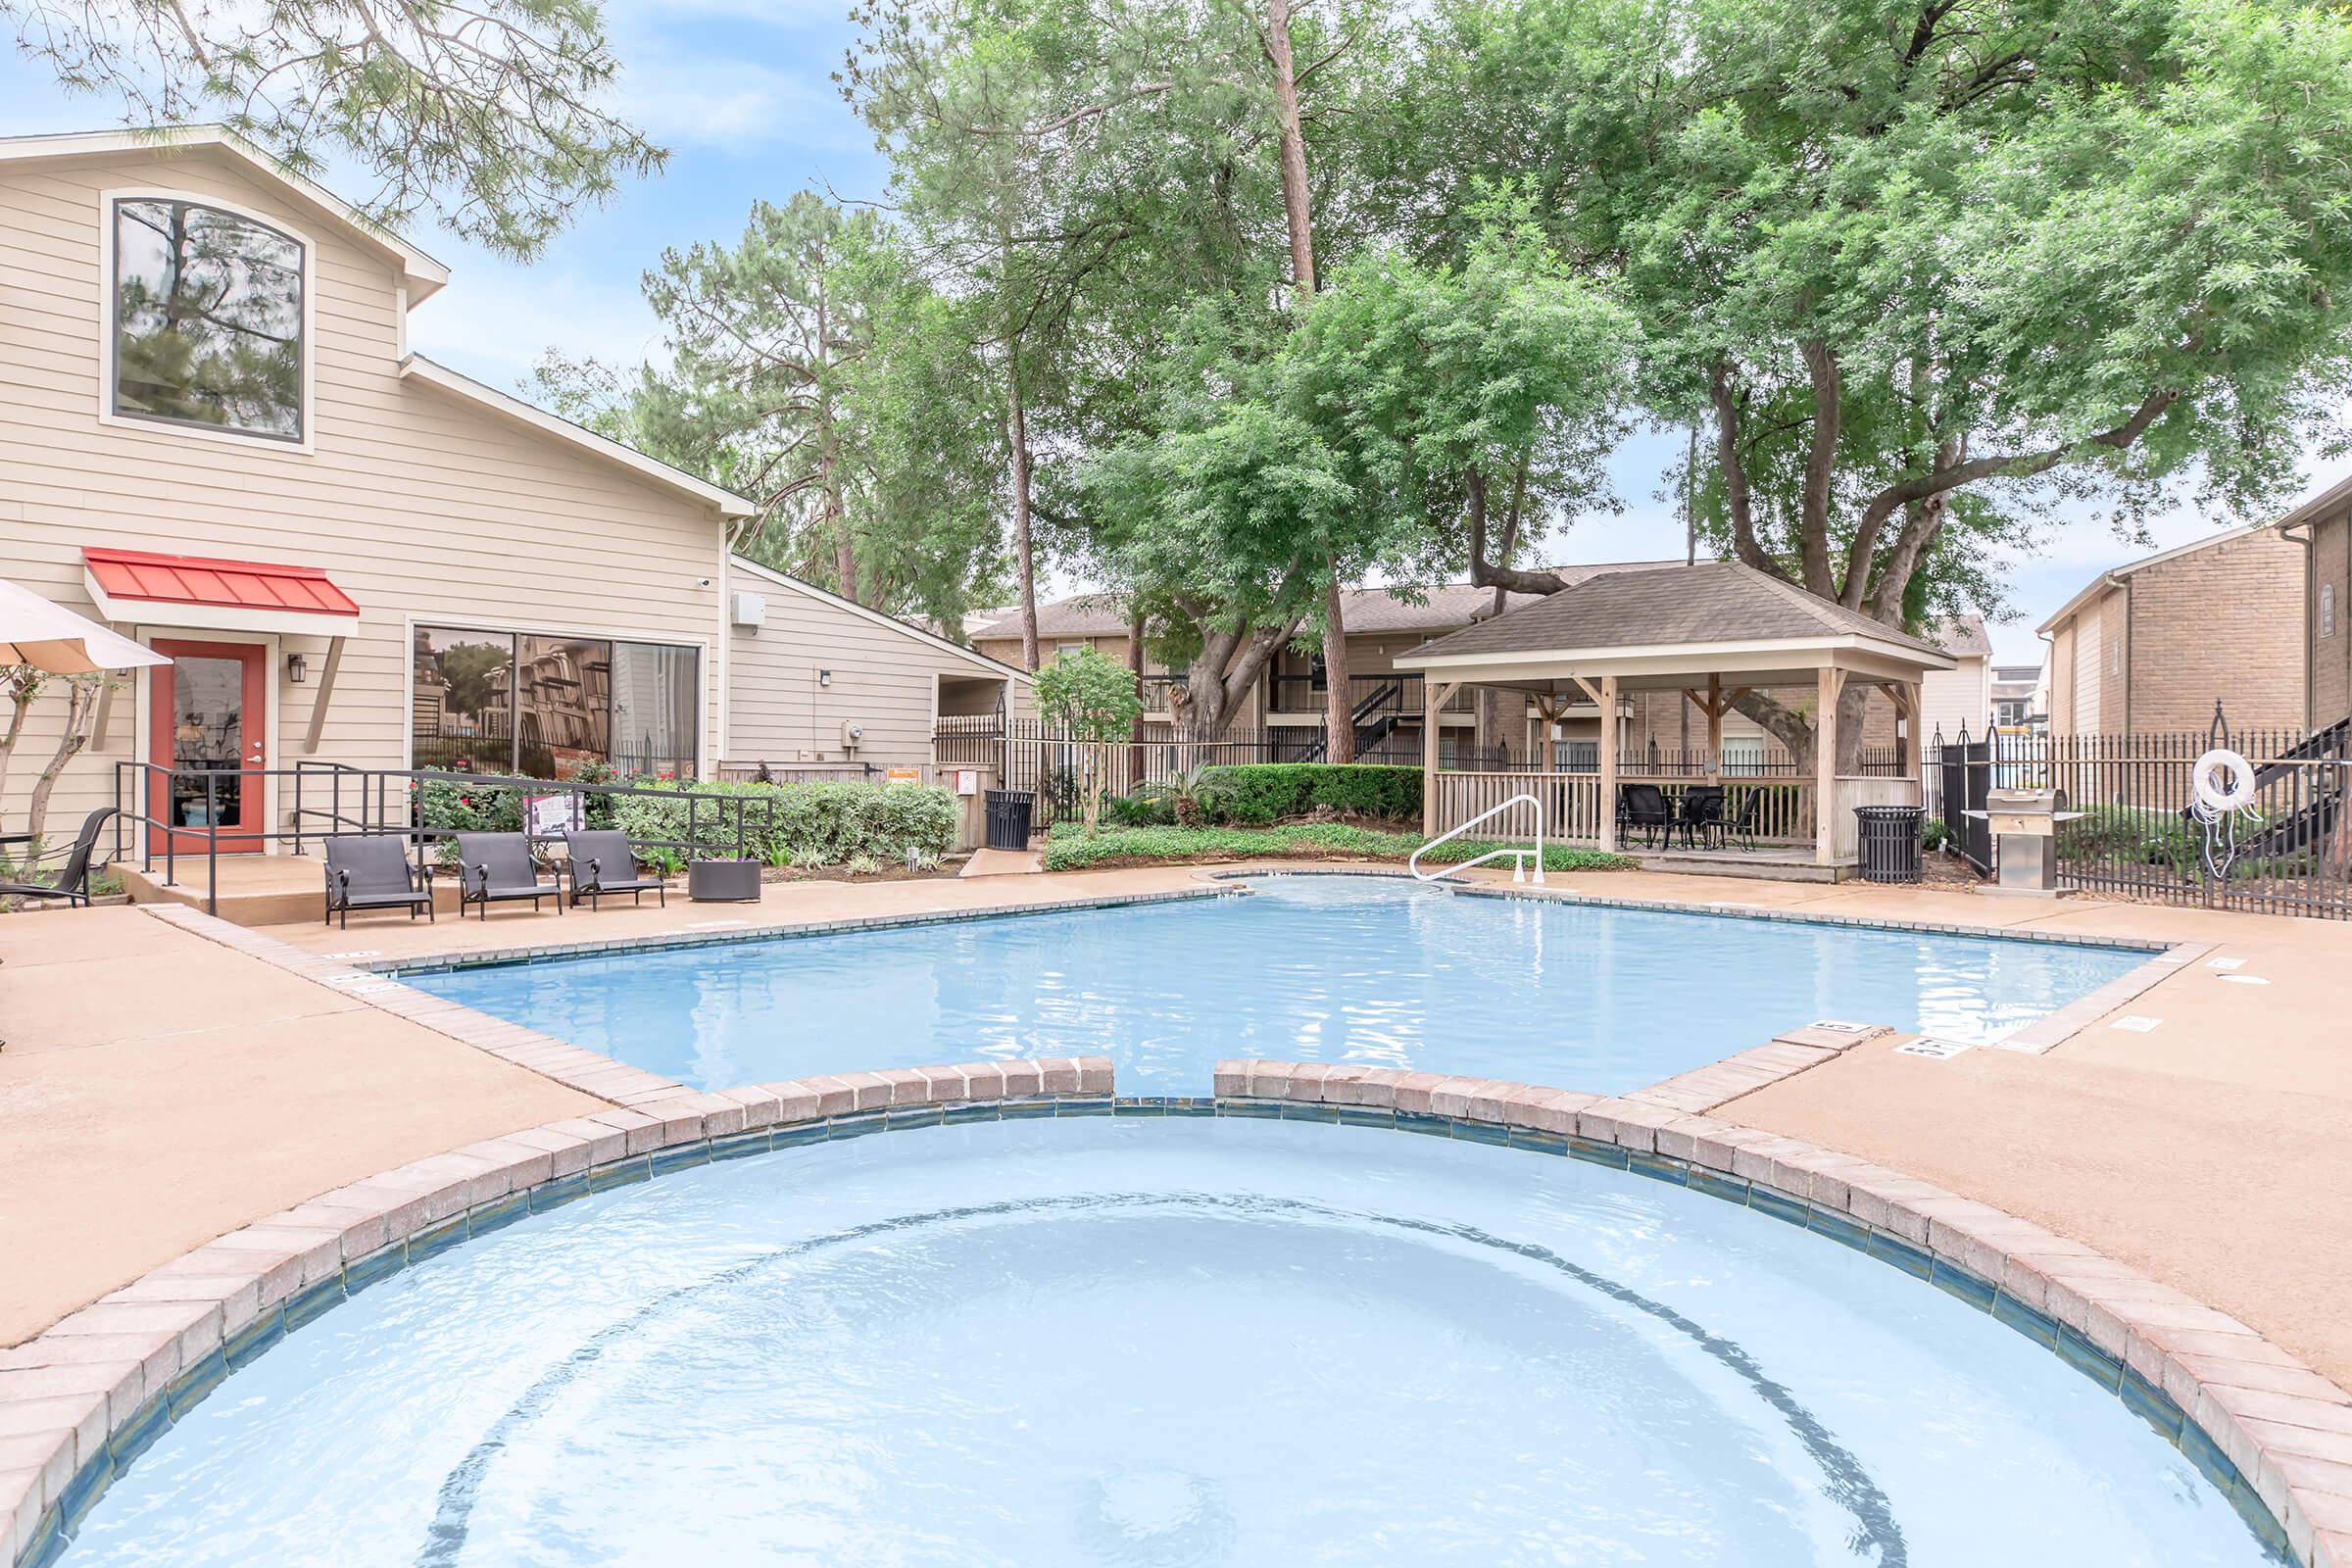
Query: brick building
[2150, 647]
[2321, 527]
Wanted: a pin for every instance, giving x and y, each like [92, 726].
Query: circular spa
[1158, 1341]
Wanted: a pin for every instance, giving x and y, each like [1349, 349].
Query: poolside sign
[551, 817]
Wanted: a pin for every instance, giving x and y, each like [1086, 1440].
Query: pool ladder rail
[1519, 856]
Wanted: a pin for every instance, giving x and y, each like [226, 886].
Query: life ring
[2222, 781]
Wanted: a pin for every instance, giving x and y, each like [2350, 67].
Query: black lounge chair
[372, 872]
[602, 861]
[497, 867]
[1643, 806]
[72, 882]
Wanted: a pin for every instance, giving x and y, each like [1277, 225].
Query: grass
[1070, 849]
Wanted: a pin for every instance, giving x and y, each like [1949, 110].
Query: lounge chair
[72, 882]
[497, 867]
[372, 872]
[602, 861]
[1643, 806]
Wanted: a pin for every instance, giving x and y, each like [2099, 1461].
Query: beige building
[2150, 647]
[2321, 527]
[215, 437]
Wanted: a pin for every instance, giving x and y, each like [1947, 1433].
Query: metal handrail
[1519, 856]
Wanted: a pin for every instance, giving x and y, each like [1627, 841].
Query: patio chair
[603, 861]
[1643, 806]
[71, 881]
[493, 867]
[1700, 814]
[372, 872]
[1742, 824]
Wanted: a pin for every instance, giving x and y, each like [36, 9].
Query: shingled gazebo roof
[1659, 627]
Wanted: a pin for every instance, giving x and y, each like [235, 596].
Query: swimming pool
[1157, 1342]
[1316, 968]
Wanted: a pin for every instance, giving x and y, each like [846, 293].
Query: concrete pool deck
[158, 1090]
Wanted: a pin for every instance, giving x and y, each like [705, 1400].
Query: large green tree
[498, 114]
[1924, 271]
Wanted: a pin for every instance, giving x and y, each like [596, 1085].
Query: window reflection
[654, 710]
[208, 319]
[563, 704]
[463, 702]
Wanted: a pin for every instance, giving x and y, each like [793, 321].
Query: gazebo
[1713, 632]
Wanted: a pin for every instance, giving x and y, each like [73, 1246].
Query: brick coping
[551, 951]
[82, 1402]
[2270, 1432]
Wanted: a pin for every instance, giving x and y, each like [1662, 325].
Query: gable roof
[1962, 637]
[922, 634]
[416, 368]
[420, 272]
[2110, 578]
[1714, 602]
[1370, 610]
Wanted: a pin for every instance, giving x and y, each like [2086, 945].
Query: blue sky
[742, 93]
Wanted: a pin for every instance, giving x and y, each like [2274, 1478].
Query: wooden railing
[1865, 791]
[1571, 803]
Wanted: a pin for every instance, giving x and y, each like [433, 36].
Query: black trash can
[1887, 838]
[1009, 818]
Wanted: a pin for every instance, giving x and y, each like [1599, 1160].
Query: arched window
[208, 319]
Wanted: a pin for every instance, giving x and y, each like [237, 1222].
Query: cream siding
[422, 505]
[887, 678]
[1952, 697]
[2085, 679]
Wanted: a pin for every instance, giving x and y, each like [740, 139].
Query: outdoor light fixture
[824, 677]
[298, 669]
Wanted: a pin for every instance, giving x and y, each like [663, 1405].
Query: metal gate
[1964, 785]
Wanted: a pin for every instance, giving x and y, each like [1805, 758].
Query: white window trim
[247, 440]
[703, 670]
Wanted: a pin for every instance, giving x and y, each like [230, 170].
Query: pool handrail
[1518, 856]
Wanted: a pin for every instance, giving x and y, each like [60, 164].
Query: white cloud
[703, 101]
[494, 321]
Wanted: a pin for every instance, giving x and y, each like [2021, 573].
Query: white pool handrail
[1518, 857]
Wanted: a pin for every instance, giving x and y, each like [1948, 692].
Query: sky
[741, 91]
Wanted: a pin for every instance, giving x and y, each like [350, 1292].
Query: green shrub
[1069, 849]
[2132, 834]
[1268, 792]
[1139, 810]
[833, 822]
[1933, 833]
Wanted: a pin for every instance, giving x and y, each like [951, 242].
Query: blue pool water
[1158, 1343]
[1325, 968]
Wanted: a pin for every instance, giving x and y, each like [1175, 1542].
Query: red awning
[248, 585]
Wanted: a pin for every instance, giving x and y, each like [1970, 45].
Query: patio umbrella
[33, 631]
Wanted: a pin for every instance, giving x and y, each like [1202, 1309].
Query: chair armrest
[474, 878]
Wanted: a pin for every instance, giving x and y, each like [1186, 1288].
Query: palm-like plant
[1193, 796]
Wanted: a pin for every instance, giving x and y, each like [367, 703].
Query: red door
[207, 722]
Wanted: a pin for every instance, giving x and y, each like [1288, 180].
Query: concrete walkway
[157, 1090]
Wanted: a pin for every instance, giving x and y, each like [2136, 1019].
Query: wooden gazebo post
[1825, 767]
[1434, 697]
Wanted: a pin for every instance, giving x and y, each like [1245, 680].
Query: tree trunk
[21, 684]
[81, 710]
[1291, 145]
[1135, 729]
[1024, 552]
[1338, 704]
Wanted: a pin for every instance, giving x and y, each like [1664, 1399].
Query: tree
[813, 369]
[82, 693]
[1088, 697]
[497, 115]
[1925, 274]
[21, 684]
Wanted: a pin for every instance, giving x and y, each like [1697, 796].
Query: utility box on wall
[750, 612]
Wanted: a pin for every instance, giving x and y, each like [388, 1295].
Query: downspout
[2311, 630]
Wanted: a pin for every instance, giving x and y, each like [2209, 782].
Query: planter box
[723, 881]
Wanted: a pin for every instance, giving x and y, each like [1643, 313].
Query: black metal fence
[2130, 827]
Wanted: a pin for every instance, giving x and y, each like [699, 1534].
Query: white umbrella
[33, 631]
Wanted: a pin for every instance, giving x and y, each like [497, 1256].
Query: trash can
[1887, 839]
[1009, 818]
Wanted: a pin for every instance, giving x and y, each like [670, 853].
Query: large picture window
[493, 702]
[208, 319]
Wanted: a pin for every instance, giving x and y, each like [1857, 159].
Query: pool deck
[2206, 1150]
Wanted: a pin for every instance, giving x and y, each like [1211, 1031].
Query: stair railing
[1518, 856]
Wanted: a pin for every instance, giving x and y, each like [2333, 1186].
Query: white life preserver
[2222, 781]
